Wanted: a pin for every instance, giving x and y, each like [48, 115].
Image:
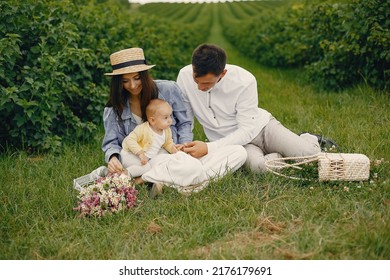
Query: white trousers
[182, 170]
[276, 141]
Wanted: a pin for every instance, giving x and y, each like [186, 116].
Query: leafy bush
[53, 58]
[356, 45]
[341, 44]
[45, 75]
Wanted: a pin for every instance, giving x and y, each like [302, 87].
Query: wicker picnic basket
[331, 166]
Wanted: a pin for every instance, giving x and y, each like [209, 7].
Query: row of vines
[53, 56]
[339, 43]
[185, 13]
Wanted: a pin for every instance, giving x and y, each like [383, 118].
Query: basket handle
[280, 163]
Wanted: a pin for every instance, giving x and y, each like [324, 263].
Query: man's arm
[196, 149]
[248, 119]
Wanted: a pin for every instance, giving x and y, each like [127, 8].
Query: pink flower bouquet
[107, 195]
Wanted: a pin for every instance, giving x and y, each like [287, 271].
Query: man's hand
[196, 149]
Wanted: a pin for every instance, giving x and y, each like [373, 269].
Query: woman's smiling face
[132, 83]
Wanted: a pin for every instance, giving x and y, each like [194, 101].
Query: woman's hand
[114, 165]
[196, 149]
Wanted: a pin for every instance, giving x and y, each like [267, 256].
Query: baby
[147, 139]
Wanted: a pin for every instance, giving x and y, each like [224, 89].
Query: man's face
[208, 81]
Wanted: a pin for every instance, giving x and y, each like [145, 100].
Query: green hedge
[340, 44]
[53, 56]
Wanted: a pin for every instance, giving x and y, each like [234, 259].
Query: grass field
[242, 216]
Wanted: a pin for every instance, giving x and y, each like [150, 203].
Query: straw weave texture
[331, 166]
[128, 55]
[347, 167]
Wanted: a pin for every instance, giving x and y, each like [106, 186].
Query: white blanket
[176, 170]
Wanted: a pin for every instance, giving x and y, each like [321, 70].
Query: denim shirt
[116, 131]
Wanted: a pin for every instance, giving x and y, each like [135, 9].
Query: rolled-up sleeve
[111, 143]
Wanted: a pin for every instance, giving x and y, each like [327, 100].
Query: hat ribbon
[128, 63]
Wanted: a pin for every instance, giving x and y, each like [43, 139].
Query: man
[224, 100]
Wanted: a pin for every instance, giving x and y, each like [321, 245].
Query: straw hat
[128, 61]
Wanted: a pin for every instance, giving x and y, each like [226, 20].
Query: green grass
[241, 216]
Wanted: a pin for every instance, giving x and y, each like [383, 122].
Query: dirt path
[273, 87]
[216, 37]
[267, 77]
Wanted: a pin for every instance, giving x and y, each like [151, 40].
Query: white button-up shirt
[229, 111]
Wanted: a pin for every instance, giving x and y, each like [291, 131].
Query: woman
[132, 88]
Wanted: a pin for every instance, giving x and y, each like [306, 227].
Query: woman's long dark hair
[119, 96]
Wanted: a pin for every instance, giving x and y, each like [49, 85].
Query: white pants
[181, 169]
[275, 141]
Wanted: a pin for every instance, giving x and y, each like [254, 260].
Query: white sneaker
[156, 190]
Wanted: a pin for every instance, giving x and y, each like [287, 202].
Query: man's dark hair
[208, 58]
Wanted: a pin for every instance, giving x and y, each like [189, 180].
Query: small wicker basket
[345, 167]
[331, 166]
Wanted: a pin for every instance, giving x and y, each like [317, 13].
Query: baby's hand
[174, 150]
[179, 147]
[144, 159]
